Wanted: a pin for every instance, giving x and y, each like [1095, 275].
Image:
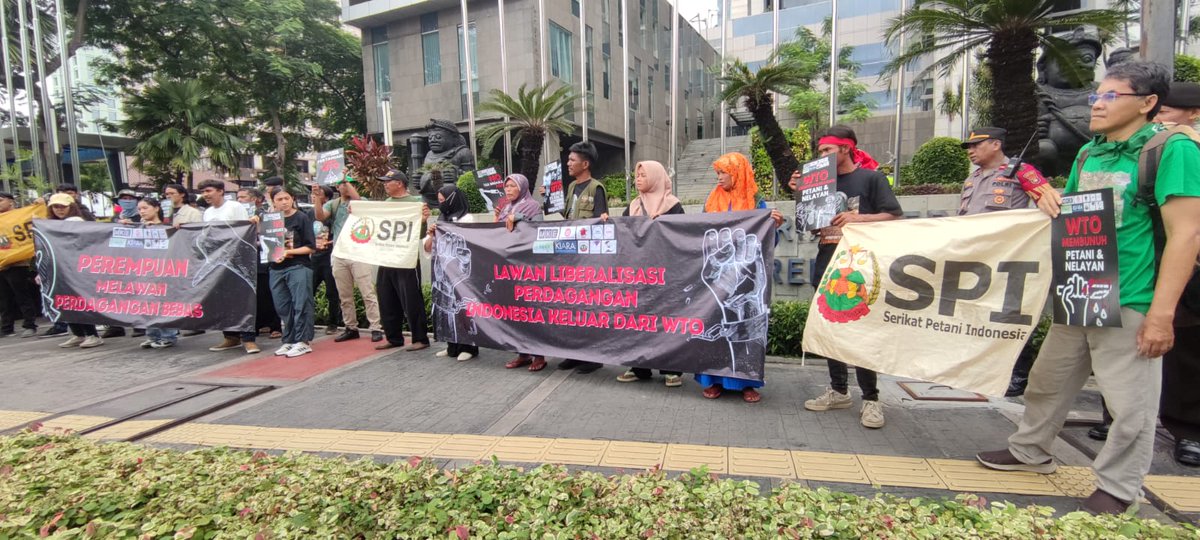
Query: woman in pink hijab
[521, 207]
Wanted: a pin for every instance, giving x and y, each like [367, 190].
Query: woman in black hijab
[452, 203]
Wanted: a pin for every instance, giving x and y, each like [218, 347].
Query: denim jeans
[163, 334]
[292, 289]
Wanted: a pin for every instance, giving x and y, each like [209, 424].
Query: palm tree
[532, 115]
[951, 105]
[753, 88]
[177, 123]
[1010, 31]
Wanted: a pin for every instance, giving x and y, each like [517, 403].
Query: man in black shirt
[585, 200]
[868, 198]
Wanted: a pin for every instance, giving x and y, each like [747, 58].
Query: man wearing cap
[399, 289]
[994, 187]
[18, 292]
[1179, 408]
[127, 201]
[348, 274]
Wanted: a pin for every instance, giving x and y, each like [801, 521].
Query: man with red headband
[868, 198]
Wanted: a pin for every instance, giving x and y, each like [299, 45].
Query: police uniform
[991, 191]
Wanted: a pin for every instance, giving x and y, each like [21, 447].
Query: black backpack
[1148, 162]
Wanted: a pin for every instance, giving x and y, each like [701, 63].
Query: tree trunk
[280, 141]
[530, 152]
[1014, 102]
[775, 142]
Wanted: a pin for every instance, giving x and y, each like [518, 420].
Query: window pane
[587, 61]
[378, 34]
[431, 55]
[462, 71]
[383, 71]
[429, 22]
[560, 53]
[607, 81]
[575, 7]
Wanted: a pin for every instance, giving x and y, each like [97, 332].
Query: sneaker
[330, 330]
[1004, 460]
[162, 344]
[443, 353]
[872, 414]
[53, 331]
[112, 332]
[377, 336]
[674, 381]
[91, 341]
[628, 376]
[146, 344]
[251, 347]
[73, 342]
[831, 399]
[190, 333]
[463, 357]
[228, 343]
[347, 334]
[282, 351]
[299, 349]
[28, 332]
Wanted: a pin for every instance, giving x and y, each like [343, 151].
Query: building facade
[413, 57]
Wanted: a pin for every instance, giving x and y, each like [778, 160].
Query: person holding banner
[291, 277]
[266, 319]
[736, 191]
[219, 209]
[870, 199]
[654, 199]
[521, 207]
[399, 289]
[150, 213]
[1126, 360]
[323, 265]
[453, 205]
[63, 207]
[181, 212]
[18, 291]
[586, 200]
[347, 273]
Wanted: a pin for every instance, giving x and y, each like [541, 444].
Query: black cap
[1184, 95]
[979, 135]
[395, 174]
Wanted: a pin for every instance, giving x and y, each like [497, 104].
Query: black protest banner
[683, 292]
[1084, 255]
[200, 276]
[272, 237]
[331, 167]
[491, 186]
[817, 195]
[552, 180]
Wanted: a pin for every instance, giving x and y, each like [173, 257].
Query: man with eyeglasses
[1127, 361]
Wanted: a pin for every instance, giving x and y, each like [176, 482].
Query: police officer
[994, 187]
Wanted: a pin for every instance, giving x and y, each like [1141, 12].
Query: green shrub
[1187, 68]
[475, 201]
[764, 172]
[786, 327]
[941, 160]
[928, 189]
[614, 187]
[71, 487]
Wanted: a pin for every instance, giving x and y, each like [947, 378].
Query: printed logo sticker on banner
[691, 297]
[381, 233]
[1084, 253]
[950, 300]
[201, 276]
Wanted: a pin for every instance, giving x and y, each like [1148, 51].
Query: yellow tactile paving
[962, 475]
[685, 457]
[125, 430]
[901, 471]
[74, 422]
[12, 419]
[1074, 481]
[637, 455]
[472, 447]
[760, 462]
[575, 452]
[521, 449]
[828, 467]
[412, 444]
[359, 442]
[1182, 493]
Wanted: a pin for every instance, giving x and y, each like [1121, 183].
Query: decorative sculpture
[1063, 111]
[449, 156]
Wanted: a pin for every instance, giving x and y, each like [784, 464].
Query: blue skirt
[728, 383]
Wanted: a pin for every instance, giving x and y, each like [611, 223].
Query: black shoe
[138, 332]
[588, 367]
[1187, 452]
[569, 364]
[7, 332]
[376, 336]
[112, 332]
[1016, 386]
[53, 331]
[346, 335]
[1099, 433]
[190, 333]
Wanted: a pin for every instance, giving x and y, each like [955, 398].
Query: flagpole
[583, 60]
[34, 138]
[725, 24]
[67, 89]
[504, 88]
[675, 18]
[8, 84]
[625, 77]
[833, 62]
[470, 87]
[899, 105]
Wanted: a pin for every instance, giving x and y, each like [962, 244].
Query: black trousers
[1179, 408]
[839, 373]
[18, 298]
[323, 273]
[82, 330]
[400, 299]
[265, 317]
[455, 349]
[644, 373]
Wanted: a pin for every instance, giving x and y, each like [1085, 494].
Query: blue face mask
[127, 206]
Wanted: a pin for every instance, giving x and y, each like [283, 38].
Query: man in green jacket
[1127, 361]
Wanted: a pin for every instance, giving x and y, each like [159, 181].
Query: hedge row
[69, 487]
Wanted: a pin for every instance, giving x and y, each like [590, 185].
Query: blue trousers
[291, 287]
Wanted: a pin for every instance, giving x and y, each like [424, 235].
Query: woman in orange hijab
[736, 190]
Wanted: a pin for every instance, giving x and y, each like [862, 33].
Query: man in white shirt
[219, 209]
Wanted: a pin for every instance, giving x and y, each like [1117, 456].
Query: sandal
[539, 363]
[520, 360]
[712, 392]
[628, 376]
[674, 381]
[276, 335]
[751, 395]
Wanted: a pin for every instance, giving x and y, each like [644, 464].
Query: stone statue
[1063, 111]
[1118, 55]
[449, 156]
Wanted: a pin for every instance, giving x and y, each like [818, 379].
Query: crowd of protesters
[1127, 362]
